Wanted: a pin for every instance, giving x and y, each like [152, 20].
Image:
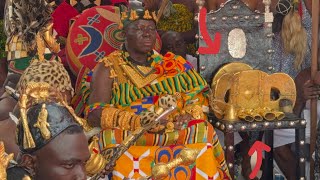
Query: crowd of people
[46, 136]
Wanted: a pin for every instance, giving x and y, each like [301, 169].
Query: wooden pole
[314, 69]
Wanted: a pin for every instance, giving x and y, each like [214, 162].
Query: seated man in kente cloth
[130, 86]
[51, 139]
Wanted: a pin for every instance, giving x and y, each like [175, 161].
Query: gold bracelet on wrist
[127, 117]
[124, 118]
[107, 117]
[116, 118]
[120, 120]
[137, 123]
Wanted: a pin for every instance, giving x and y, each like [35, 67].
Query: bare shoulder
[100, 73]
[101, 84]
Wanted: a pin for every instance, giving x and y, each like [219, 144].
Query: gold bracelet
[115, 122]
[137, 123]
[127, 117]
[133, 120]
[124, 118]
[107, 117]
[120, 119]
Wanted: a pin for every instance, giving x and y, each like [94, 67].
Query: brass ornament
[159, 110]
[42, 123]
[231, 113]
[4, 161]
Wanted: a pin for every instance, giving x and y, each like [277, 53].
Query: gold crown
[132, 15]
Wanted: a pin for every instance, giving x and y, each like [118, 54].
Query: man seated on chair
[131, 85]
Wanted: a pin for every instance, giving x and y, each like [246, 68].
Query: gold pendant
[144, 71]
[138, 79]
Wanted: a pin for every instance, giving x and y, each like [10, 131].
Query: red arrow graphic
[258, 147]
[213, 47]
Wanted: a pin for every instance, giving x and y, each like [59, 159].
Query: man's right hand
[310, 90]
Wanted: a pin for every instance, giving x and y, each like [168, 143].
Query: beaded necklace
[126, 56]
[144, 69]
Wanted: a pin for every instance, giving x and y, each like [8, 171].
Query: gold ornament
[159, 110]
[231, 68]
[252, 90]
[132, 138]
[41, 92]
[28, 141]
[138, 79]
[231, 113]
[42, 123]
[155, 17]
[124, 15]
[4, 161]
[44, 38]
[49, 40]
[133, 15]
[26, 177]
[170, 127]
[97, 162]
[147, 15]
[82, 122]
[195, 111]
[186, 157]
[41, 47]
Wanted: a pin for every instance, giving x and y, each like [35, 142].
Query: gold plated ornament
[252, 95]
[42, 123]
[4, 161]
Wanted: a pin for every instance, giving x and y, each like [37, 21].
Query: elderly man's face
[141, 36]
[63, 158]
[173, 42]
